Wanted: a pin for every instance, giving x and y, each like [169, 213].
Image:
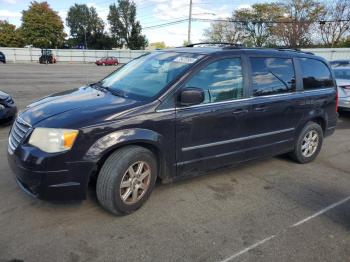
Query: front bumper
[66, 184]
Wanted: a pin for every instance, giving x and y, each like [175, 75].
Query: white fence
[27, 55]
[331, 53]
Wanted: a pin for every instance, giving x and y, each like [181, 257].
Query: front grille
[19, 130]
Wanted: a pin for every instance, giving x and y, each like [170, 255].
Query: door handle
[261, 108]
[240, 111]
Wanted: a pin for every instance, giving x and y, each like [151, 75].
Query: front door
[208, 135]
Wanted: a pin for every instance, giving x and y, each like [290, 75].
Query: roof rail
[219, 44]
[293, 50]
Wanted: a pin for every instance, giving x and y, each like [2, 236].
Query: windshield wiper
[116, 92]
[98, 86]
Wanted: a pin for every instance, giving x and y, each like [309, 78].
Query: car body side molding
[237, 139]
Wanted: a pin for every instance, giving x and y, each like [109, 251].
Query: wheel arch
[320, 118]
[108, 144]
[321, 121]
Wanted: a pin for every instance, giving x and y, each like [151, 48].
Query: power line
[269, 21]
[241, 21]
[149, 23]
[166, 24]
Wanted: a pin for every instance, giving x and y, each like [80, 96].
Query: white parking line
[321, 212]
[235, 255]
[248, 248]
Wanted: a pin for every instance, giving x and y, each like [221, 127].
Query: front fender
[119, 138]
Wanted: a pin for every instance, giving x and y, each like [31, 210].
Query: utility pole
[189, 23]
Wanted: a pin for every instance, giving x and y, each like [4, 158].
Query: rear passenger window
[315, 74]
[272, 76]
[221, 80]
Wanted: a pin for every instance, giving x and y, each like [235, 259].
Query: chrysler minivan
[169, 115]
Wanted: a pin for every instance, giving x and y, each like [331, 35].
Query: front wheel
[308, 144]
[126, 179]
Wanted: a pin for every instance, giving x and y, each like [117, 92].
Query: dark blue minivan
[172, 114]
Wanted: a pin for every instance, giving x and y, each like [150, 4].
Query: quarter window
[315, 74]
[221, 80]
[272, 76]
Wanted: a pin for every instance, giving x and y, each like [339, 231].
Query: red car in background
[107, 61]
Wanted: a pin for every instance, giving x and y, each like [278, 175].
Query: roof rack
[225, 45]
[219, 44]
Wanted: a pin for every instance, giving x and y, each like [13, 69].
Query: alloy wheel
[310, 143]
[135, 182]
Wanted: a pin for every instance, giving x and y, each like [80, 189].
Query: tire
[116, 169]
[307, 147]
[103, 64]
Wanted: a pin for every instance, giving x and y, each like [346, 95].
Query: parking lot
[266, 210]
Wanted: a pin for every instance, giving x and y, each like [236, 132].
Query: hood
[3, 95]
[76, 107]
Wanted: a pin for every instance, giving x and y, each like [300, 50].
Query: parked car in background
[2, 58]
[107, 61]
[169, 115]
[342, 75]
[342, 62]
[8, 108]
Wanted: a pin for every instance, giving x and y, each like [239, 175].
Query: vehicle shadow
[344, 120]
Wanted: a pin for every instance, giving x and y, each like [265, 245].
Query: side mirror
[191, 96]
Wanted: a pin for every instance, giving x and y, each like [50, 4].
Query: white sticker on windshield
[185, 59]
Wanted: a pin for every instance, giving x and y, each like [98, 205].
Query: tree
[124, 27]
[42, 26]
[255, 23]
[9, 35]
[223, 32]
[84, 23]
[294, 29]
[339, 13]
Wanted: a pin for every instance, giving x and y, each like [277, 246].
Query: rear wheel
[308, 144]
[127, 179]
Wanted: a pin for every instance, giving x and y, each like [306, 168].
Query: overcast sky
[149, 12]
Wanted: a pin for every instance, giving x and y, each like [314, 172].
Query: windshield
[145, 77]
[342, 73]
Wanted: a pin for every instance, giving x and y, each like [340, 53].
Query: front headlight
[52, 140]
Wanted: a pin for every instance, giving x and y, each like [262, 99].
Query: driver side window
[221, 80]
